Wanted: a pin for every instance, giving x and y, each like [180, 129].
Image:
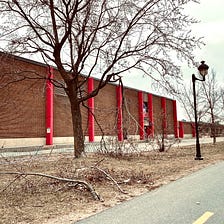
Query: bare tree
[104, 38]
[185, 97]
[212, 97]
[222, 98]
[209, 102]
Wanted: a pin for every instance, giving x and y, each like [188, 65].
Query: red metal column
[181, 129]
[49, 107]
[91, 111]
[175, 119]
[164, 119]
[141, 115]
[151, 118]
[119, 114]
[193, 130]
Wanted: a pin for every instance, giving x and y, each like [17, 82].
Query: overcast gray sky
[211, 27]
[210, 13]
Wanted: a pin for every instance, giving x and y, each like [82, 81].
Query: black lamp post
[203, 70]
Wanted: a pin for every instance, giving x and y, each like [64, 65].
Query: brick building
[34, 112]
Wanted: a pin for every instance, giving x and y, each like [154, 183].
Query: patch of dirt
[35, 199]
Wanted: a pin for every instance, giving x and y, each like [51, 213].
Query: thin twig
[110, 177]
[98, 162]
[17, 177]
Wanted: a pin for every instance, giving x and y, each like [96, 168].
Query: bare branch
[110, 178]
[84, 183]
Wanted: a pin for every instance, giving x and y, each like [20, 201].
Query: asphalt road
[195, 199]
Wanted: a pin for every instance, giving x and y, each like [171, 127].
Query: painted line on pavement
[203, 218]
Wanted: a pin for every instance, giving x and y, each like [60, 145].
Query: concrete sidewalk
[91, 147]
[192, 141]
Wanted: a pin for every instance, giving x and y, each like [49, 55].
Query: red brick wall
[157, 114]
[130, 112]
[170, 120]
[105, 110]
[62, 114]
[187, 128]
[62, 117]
[22, 107]
[21, 103]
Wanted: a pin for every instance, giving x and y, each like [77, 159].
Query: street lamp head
[203, 69]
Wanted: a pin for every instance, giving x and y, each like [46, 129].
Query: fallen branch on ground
[109, 177]
[88, 186]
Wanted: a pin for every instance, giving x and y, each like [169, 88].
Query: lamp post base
[198, 158]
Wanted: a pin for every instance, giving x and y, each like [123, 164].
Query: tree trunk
[213, 134]
[213, 128]
[76, 122]
[77, 130]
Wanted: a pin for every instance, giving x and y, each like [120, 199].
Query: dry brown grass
[35, 200]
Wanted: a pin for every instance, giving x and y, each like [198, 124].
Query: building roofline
[20, 58]
[24, 59]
